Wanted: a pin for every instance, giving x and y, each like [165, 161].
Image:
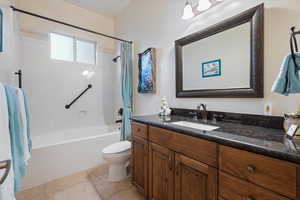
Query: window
[86, 52]
[1, 31]
[71, 49]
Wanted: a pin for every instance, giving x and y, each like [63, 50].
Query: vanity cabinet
[161, 173]
[167, 165]
[175, 176]
[139, 159]
[194, 180]
[276, 175]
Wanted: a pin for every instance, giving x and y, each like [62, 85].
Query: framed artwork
[147, 69]
[211, 68]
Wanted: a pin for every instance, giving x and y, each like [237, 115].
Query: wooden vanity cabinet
[194, 180]
[140, 158]
[175, 176]
[161, 173]
[175, 172]
[167, 165]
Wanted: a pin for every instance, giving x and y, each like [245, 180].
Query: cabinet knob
[170, 162]
[138, 130]
[250, 169]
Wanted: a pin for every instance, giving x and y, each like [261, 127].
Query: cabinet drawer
[139, 130]
[276, 175]
[198, 149]
[231, 188]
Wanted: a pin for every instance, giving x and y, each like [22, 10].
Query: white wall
[9, 57]
[51, 84]
[158, 24]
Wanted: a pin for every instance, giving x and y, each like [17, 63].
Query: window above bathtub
[67, 48]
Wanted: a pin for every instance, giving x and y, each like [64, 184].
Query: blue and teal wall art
[211, 68]
[147, 65]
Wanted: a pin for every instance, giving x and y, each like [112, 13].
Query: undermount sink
[203, 127]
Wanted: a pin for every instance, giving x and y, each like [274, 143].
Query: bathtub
[63, 153]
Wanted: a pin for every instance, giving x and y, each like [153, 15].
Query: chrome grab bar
[5, 165]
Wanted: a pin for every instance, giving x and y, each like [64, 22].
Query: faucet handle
[202, 105]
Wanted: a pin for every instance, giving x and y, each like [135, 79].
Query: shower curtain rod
[67, 24]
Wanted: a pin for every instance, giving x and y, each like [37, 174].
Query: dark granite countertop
[256, 139]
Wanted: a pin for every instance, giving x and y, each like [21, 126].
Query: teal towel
[28, 122]
[15, 136]
[288, 81]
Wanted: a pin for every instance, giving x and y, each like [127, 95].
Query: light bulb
[204, 5]
[188, 11]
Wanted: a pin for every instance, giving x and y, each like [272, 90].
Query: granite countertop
[256, 139]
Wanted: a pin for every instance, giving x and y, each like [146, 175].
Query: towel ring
[294, 44]
[5, 165]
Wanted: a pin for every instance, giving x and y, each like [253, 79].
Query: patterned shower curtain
[127, 91]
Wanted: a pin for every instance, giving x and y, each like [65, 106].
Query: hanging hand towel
[7, 188]
[24, 124]
[288, 81]
[16, 136]
[28, 120]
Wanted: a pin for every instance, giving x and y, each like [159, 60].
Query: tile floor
[88, 185]
[123, 190]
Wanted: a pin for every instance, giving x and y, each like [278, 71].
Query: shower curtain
[127, 93]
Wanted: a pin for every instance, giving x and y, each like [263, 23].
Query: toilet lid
[117, 147]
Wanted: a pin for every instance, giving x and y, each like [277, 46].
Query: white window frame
[75, 39]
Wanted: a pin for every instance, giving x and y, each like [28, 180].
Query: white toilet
[118, 157]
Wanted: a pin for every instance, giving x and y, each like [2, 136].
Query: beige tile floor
[123, 190]
[89, 185]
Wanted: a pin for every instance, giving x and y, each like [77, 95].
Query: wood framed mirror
[223, 61]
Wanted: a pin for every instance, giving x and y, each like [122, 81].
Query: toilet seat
[117, 149]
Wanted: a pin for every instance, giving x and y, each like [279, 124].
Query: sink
[203, 127]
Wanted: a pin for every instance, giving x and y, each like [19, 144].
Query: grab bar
[5, 165]
[68, 106]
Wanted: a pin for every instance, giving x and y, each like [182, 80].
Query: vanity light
[188, 11]
[192, 9]
[204, 5]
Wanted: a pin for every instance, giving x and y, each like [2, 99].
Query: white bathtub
[63, 153]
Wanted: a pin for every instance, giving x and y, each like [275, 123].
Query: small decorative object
[147, 67]
[164, 109]
[291, 124]
[211, 68]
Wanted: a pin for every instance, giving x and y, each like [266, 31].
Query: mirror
[225, 60]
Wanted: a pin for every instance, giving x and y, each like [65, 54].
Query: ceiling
[107, 7]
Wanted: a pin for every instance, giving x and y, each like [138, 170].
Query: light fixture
[192, 9]
[204, 5]
[188, 11]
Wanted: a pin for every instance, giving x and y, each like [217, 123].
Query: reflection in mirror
[221, 61]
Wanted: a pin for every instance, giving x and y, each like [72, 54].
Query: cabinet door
[140, 164]
[194, 180]
[161, 176]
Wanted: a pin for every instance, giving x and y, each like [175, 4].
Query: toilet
[118, 157]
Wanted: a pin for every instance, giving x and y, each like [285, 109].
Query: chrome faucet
[202, 109]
